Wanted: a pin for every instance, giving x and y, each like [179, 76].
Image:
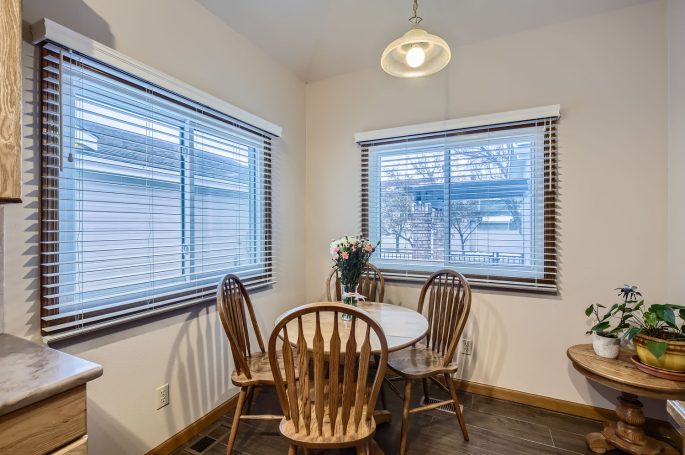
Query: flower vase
[349, 297]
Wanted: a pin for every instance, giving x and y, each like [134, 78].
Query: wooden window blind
[147, 198]
[480, 200]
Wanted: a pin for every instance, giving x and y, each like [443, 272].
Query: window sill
[520, 286]
[135, 320]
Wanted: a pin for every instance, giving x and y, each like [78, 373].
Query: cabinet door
[45, 426]
[78, 447]
[10, 100]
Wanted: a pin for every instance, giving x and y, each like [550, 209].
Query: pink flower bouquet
[350, 254]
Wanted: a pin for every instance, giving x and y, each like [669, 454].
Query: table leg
[628, 433]
[382, 416]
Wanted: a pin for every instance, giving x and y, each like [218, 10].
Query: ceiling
[317, 39]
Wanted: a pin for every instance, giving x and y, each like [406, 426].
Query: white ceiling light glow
[416, 53]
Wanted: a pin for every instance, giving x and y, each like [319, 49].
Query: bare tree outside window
[396, 215]
[418, 216]
[465, 217]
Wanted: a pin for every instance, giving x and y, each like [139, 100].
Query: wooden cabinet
[42, 398]
[53, 425]
[10, 100]
[78, 447]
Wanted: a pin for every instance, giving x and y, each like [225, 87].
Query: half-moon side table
[621, 374]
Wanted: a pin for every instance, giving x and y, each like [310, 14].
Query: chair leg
[426, 395]
[405, 416]
[383, 402]
[292, 450]
[375, 449]
[249, 399]
[457, 407]
[377, 361]
[236, 419]
[363, 449]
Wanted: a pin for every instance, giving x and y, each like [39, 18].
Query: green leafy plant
[663, 321]
[615, 319]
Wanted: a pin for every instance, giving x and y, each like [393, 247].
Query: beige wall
[676, 150]
[609, 74]
[188, 350]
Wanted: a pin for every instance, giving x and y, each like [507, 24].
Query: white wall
[676, 150]
[608, 72]
[188, 350]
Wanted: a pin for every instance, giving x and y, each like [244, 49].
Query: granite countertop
[30, 372]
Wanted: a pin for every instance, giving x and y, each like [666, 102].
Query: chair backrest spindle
[343, 402]
[232, 302]
[446, 300]
[371, 284]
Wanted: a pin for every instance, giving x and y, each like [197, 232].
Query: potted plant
[609, 326]
[658, 334]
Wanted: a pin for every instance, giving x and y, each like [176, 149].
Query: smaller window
[481, 201]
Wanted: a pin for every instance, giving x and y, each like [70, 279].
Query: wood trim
[10, 101]
[564, 407]
[194, 428]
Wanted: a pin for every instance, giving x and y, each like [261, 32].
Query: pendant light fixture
[416, 53]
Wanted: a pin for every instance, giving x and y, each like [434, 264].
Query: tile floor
[495, 427]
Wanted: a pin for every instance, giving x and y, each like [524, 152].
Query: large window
[478, 200]
[148, 198]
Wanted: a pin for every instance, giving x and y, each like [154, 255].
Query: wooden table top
[402, 326]
[622, 374]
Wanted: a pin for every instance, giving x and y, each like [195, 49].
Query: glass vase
[349, 298]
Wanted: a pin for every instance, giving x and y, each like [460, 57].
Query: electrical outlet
[467, 346]
[162, 396]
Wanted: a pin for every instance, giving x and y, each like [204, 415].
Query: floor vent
[202, 444]
[444, 408]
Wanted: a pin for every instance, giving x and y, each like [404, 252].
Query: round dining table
[402, 326]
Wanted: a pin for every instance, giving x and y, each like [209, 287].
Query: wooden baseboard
[538, 401]
[565, 407]
[194, 428]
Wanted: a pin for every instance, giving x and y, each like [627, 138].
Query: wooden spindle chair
[445, 300]
[371, 284]
[332, 405]
[252, 368]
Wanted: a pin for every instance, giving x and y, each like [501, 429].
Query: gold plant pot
[672, 360]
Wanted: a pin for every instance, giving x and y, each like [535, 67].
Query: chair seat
[260, 370]
[352, 436]
[419, 362]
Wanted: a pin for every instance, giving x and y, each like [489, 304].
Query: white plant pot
[606, 347]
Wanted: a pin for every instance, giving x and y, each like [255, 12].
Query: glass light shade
[396, 62]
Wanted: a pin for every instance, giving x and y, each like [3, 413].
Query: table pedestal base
[627, 434]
